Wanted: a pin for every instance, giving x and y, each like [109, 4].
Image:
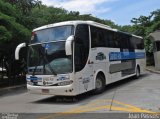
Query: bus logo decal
[100, 56]
[85, 82]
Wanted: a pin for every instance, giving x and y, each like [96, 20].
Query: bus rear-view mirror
[68, 45]
[18, 48]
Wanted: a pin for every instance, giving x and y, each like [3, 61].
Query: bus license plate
[45, 90]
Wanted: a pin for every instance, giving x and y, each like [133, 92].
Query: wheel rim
[98, 83]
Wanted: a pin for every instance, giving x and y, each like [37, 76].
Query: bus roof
[76, 22]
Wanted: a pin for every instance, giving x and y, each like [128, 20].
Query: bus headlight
[65, 83]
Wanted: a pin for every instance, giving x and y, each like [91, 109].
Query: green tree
[25, 5]
[5, 35]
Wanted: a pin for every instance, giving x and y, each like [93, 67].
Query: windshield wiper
[35, 70]
[44, 58]
[36, 66]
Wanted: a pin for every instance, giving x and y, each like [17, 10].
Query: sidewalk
[12, 84]
[152, 69]
[11, 88]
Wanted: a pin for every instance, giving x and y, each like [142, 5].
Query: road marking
[130, 107]
[73, 111]
[94, 107]
[91, 104]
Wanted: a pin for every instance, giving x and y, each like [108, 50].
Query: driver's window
[81, 46]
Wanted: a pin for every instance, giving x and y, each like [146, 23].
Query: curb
[7, 89]
[153, 71]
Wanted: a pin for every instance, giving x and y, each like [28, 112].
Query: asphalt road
[122, 98]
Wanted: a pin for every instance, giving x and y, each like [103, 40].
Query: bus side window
[131, 43]
[117, 40]
[97, 36]
[81, 46]
[138, 43]
[109, 35]
[124, 41]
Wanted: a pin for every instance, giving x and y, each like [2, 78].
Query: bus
[74, 57]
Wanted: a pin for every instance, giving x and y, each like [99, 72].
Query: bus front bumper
[67, 90]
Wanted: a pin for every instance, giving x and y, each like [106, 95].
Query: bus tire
[99, 84]
[137, 72]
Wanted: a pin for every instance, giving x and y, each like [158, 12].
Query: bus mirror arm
[18, 48]
[68, 45]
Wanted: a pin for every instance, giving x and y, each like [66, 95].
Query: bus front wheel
[99, 84]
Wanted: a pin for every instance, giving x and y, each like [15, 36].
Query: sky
[119, 11]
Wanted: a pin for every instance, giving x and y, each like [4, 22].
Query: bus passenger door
[83, 70]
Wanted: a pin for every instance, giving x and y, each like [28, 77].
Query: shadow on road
[11, 92]
[61, 100]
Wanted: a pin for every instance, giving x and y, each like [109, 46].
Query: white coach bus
[73, 57]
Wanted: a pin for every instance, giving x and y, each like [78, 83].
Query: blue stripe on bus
[114, 56]
[34, 78]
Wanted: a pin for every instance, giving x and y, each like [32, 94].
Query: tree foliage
[5, 35]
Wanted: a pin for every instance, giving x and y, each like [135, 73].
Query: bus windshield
[52, 34]
[46, 54]
[48, 59]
